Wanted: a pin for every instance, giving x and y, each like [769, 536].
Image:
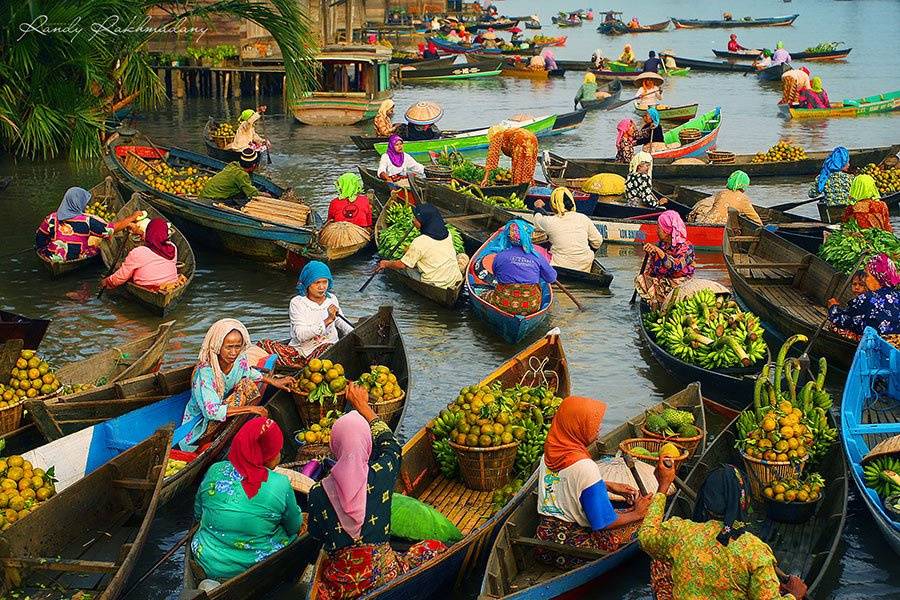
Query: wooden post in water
[236, 84]
[256, 84]
[348, 21]
[177, 83]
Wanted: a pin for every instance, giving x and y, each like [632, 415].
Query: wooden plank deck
[465, 508]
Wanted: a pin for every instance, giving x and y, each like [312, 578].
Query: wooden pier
[222, 82]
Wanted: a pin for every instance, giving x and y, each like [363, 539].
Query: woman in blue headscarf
[651, 131]
[518, 269]
[316, 319]
[834, 180]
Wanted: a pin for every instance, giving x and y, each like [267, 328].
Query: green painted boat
[472, 140]
[858, 107]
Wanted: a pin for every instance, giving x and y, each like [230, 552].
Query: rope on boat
[537, 376]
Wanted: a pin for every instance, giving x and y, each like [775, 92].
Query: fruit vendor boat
[353, 81]
[557, 167]
[489, 67]
[480, 281]
[512, 571]
[214, 150]
[105, 192]
[707, 123]
[470, 510]
[447, 47]
[786, 286]
[277, 233]
[85, 541]
[870, 418]
[383, 189]
[446, 297]
[116, 249]
[859, 107]
[827, 55]
[697, 64]
[17, 327]
[682, 113]
[734, 23]
[617, 27]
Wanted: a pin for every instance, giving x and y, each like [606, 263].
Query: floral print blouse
[235, 531]
[701, 567]
[69, 239]
[879, 309]
[639, 190]
[837, 189]
[678, 261]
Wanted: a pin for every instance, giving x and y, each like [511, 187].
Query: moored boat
[685, 112]
[734, 23]
[869, 105]
[452, 71]
[828, 55]
[774, 72]
[617, 27]
[17, 327]
[709, 65]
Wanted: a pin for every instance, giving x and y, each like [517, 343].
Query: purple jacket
[516, 266]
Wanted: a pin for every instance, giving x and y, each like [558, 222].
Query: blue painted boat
[870, 413]
[479, 281]
[212, 222]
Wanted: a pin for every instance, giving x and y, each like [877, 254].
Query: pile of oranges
[30, 378]
[181, 182]
[783, 151]
[781, 436]
[319, 433]
[793, 489]
[22, 488]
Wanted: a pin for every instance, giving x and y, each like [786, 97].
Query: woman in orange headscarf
[517, 143]
[573, 501]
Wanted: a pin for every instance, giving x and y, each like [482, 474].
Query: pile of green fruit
[849, 242]
[886, 180]
[503, 495]
[513, 201]
[399, 218]
[883, 475]
[783, 151]
[31, 376]
[794, 489]
[321, 380]
[224, 130]
[708, 331]
[824, 47]
[671, 422]
[381, 384]
[668, 450]
[99, 208]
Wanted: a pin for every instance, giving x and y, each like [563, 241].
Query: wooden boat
[831, 55]
[333, 253]
[267, 234]
[709, 65]
[785, 286]
[113, 509]
[707, 123]
[114, 251]
[479, 281]
[352, 84]
[859, 107]
[513, 573]
[734, 23]
[383, 189]
[524, 72]
[556, 167]
[18, 327]
[685, 112]
[607, 75]
[774, 72]
[870, 414]
[449, 47]
[471, 511]
[213, 149]
[617, 27]
[750, 54]
[613, 88]
[106, 192]
[451, 71]
[446, 297]
[831, 213]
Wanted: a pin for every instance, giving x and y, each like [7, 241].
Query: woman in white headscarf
[639, 183]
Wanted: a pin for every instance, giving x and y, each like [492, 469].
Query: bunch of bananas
[446, 458]
[532, 447]
[513, 201]
[882, 475]
[444, 423]
[399, 218]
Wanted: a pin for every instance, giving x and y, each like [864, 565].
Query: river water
[448, 348]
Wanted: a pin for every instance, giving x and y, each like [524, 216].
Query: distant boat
[734, 23]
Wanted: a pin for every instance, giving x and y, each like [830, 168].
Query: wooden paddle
[643, 266]
[187, 536]
[792, 205]
[571, 296]
[389, 253]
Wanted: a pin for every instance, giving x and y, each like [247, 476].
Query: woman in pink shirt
[152, 265]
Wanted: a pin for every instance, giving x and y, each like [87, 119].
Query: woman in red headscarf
[152, 265]
[246, 510]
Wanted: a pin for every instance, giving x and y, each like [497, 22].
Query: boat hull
[17, 327]
[733, 23]
[867, 106]
[620, 28]
[673, 113]
[325, 111]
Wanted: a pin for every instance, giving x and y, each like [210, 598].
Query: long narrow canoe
[85, 541]
[383, 189]
[786, 286]
[105, 192]
[870, 414]
[446, 297]
[115, 249]
[859, 107]
[708, 124]
[685, 112]
[448, 72]
[512, 328]
[619, 28]
[212, 148]
[774, 72]
[17, 327]
[734, 23]
[830, 55]
[710, 65]
[471, 511]
[613, 88]
[512, 571]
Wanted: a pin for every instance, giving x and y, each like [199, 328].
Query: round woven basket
[313, 412]
[438, 173]
[686, 136]
[222, 140]
[486, 469]
[387, 409]
[653, 445]
[762, 471]
[688, 443]
[11, 417]
[718, 157]
[308, 452]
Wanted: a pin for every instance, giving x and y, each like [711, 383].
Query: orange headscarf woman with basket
[517, 143]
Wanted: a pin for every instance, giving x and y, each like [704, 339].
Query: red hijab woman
[153, 265]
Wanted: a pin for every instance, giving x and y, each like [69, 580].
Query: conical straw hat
[883, 448]
[650, 75]
[424, 113]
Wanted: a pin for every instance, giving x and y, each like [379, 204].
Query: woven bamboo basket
[438, 173]
[313, 412]
[316, 451]
[689, 135]
[11, 417]
[688, 443]
[299, 482]
[653, 445]
[762, 472]
[222, 140]
[486, 469]
[386, 409]
[719, 157]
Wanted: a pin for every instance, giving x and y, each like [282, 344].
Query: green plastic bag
[414, 520]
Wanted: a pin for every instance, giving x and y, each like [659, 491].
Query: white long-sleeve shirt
[572, 237]
[308, 329]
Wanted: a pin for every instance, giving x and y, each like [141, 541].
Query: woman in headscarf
[792, 83]
[867, 208]
[876, 305]
[764, 61]
[518, 269]
[350, 509]
[639, 182]
[316, 319]
[651, 131]
[814, 96]
[384, 125]
[69, 233]
[350, 205]
[649, 93]
[152, 265]
[573, 499]
[549, 59]
[517, 143]
[431, 257]
[834, 179]
[223, 383]
[627, 57]
[573, 236]
[714, 209]
[246, 136]
[781, 56]
[669, 264]
[246, 511]
[625, 141]
[396, 165]
[733, 45]
[712, 555]
[588, 90]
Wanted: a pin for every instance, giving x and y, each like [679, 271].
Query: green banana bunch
[746, 423]
[399, 218]
[444, 423]
[882, 476]
[446, 458]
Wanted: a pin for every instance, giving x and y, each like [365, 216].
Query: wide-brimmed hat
[650, 75]
[249, 156]
[424, 113]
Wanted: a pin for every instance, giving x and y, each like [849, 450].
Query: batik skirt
[516, 298]
[557, 531]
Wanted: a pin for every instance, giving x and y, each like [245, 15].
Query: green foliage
[844, 247]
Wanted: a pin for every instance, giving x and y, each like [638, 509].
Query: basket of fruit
[315, 442]
[223, 134]
[486, 467]
[673, 425]
[763, 471]
[25, 487]
[10, 415]
[319, 389]
[650, 450]
[385, 396]
[793, 500]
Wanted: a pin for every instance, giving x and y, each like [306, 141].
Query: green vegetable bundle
[708, 331]
[844, 246]
[824, 47]
[512, 202]
[399, 218]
